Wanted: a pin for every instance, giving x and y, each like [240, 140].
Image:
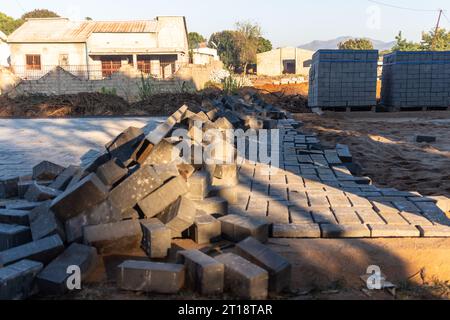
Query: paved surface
[26, 142]
[314, 195]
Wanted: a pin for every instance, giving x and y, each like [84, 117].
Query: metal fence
[163, 70]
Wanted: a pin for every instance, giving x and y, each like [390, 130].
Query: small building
[4, 50]
[283, 61]
[96, 49]
[204, 55]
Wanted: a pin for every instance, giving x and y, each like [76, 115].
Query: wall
[271, 63]
[172, 34]
[121, 42]
[126, 82]
[4, 54]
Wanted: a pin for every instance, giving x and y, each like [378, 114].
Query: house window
[110, 65]
[144, 66]
[33, 62]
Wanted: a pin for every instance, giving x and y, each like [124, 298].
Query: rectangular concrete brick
[244, 279]
[278, 267]
[278, 212]
[135, 188]
[346, 216]
[164, 152]
[207, 229]
[344, 231]
[156, 238]
[156, 202]
[103, 213]
[47, 170]
[167, 171]
[37, 193]
[111, 172]
[68, 204]
[114, 237]
[369, 216]
[199, 186]
[20, 217]
[63, 179]
[151, 277]
[394, 231]
[212, 206]
[13, 236]
[17, 281]
[179, 216]
[125, 145]
[44, 223]
[9, 188]
[237, 228]
[416, 218]
[295, 231]
[434, 231]
[53, 279]
[204, 274]
[44, 250]
[163, 130]
[323, 215]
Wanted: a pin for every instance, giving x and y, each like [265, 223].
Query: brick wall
[126, 82]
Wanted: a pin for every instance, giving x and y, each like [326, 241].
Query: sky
[284, 22]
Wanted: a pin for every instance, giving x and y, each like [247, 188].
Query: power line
[445, 16]
[402, 8]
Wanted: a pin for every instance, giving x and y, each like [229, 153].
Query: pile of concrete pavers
[141, 194]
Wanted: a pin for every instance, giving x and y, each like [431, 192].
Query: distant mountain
[333, 44]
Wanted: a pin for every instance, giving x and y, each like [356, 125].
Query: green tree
[247, 39]
[405, 45]
[226, 45]
[195, 39]
[436, 41]
[8, 24]
[39, 13]
[356, 44]
[264, 45]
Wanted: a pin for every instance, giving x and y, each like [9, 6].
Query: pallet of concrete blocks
[343, 78]
[416, 80]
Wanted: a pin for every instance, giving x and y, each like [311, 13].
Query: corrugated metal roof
[64, 30]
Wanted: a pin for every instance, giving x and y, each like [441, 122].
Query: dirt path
[384, 145]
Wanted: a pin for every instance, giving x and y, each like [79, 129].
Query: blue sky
[284, 22]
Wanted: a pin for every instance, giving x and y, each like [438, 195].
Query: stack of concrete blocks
[343, 78]
[139, 194]
[416, 79]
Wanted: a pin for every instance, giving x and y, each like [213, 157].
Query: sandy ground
[384, 145]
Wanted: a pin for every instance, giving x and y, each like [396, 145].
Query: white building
[4, 50]
[96, 49]
[204, 55]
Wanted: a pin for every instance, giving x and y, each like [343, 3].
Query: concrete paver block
[13, 236]
[156, 238]
[394, 231]
[296, 231]
[150, 277]
[111, 172]
[179, 216]
[204, 274]
[278, 267]
[44, 223]
[244, 279]
[17, 280]
[36, 193]
[53, 279]
[166, 195]
[237, 228]
[344, 231]
[47, 170]
[206, 229]
[43, 250]
[68, 204]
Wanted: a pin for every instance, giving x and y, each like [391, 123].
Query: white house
[96, 49]
[204, 55]
[4, 50]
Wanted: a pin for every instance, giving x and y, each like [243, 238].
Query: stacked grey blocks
[343, 78]
[416, 79]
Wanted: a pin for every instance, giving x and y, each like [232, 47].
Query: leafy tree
[264, 45]
[248, 39]
[39, 13]
[195, 39]
[8, 24]
[436, 41]
[227, 48]
[356, 44]
[405, 45]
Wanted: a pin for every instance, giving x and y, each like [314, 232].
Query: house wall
[271, 63]
[4, 54]
[172, 34]
[121, 42]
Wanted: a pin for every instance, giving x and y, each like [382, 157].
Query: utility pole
[437, 29]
